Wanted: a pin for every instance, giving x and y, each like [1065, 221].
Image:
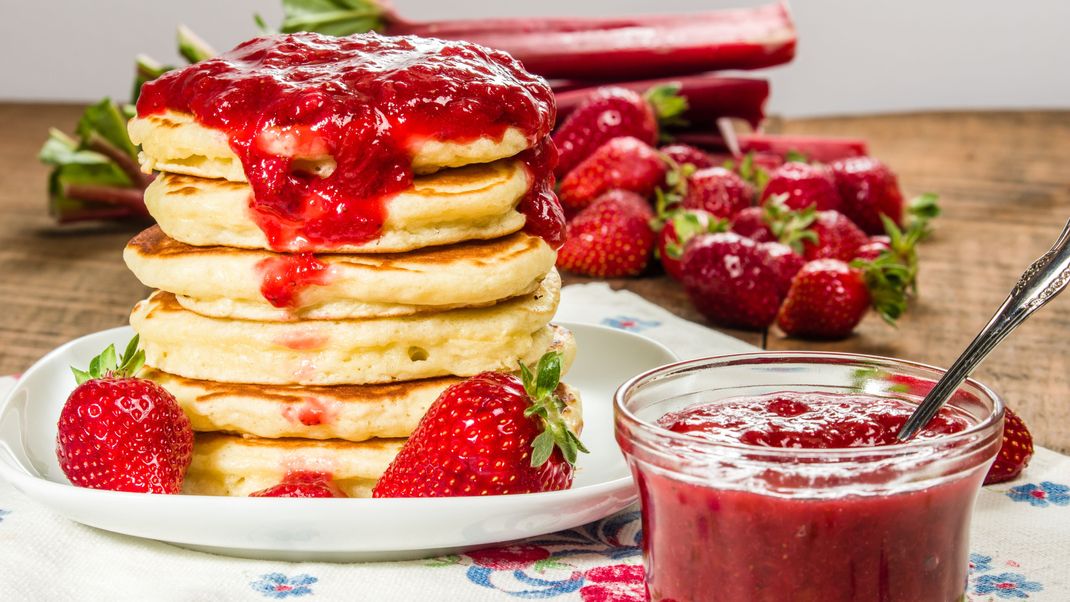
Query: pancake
[470, 203]
[223, 282]
[235, 465]
[461, 342]
[350, 412]
[174, 142]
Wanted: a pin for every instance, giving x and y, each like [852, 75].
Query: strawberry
[785, 263]
[685, 154]
[750, 222]
[302, 484]
[868, 189]
[123, 433]
[492, 434]
[729, 279]
[804, 185]
[1014, 454]
[625, 163]
[610, 238]
[680, 227]
[718, 191]
[611, 112]
[834, 236]
[828, 297]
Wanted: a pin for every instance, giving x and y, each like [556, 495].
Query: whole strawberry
[685, 154]
[834, 237]
[624, 163]
[492, 434]
[610, 238]
[868, 189]
[718, 191]
[611, 112]
[679, 227]
[123, 433]
[828, 297]
[1015, 453]
[803, 185]
[729, 280]
[303, 484]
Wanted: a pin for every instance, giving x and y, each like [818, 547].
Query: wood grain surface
[1001, 177]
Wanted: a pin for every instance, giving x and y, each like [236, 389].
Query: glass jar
[745, 523]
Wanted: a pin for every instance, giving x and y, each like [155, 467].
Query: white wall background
[853, 56]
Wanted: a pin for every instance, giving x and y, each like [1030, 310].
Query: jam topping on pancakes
[325, 127]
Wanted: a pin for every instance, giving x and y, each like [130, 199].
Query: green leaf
[108, 361]
[528, 380]
[333, 17]
[794, 156]
[192, 47]
[131, 349]
[104, 124]
[262, 25]
[576, 441]
[548, 375]
[541, 448]
[669, 107]
[80, 376]
[925, 206]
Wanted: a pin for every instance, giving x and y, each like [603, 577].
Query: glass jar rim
[696, 442]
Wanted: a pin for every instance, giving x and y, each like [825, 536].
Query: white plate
[327, 529]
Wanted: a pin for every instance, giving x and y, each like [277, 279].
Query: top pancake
[176, 143]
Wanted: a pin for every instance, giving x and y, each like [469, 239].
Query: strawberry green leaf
[541, 448]
[549, 374]
[131, 349]
[80, 376]
[794, 156]
[668, 105]
[528, 379]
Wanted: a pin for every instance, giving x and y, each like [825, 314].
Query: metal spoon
[1045, 279]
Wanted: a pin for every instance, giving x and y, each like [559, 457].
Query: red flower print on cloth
[509, 558]
[614, 583]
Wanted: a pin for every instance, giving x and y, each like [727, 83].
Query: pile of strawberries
[754, 240]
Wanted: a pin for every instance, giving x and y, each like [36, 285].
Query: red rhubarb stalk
[591, 48]
[814, 148]
[708, 97]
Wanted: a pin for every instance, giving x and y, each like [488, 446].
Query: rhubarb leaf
[332, 17]
[192, 47]
[103, 128]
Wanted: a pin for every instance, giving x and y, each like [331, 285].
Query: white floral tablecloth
[1020, 539]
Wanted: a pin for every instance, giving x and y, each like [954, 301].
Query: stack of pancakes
[333, 380]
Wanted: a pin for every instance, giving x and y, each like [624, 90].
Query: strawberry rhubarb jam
[799, 496]
[364, 102]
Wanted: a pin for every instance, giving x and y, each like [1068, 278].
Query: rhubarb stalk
[622, 48]
[708, 96]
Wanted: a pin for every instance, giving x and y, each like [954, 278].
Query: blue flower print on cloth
[1042, 495]
[3, 513]
[1007, 586]
[279, 586]
[979, 563]
[629, 323]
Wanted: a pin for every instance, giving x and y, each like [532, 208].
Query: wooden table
[1003, 179]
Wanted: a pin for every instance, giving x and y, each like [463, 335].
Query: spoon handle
[1040, 283]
